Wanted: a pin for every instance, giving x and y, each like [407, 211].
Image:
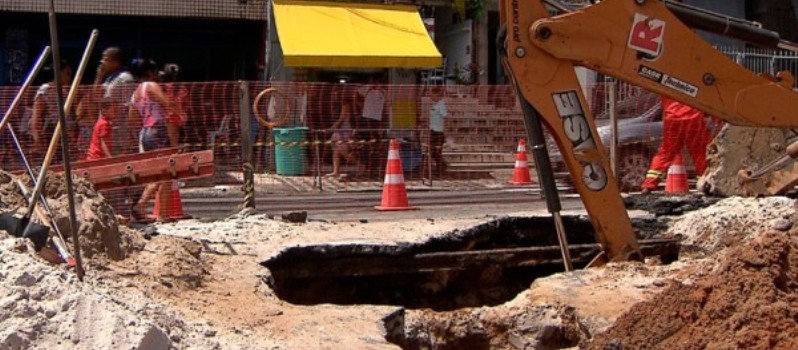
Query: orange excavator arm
[641, 42]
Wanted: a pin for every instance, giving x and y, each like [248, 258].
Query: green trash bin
[290, 150]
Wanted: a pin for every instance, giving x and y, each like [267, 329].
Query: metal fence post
[612, 92]
[246, 147]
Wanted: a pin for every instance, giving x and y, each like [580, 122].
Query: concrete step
[479, 157]
[480, 166]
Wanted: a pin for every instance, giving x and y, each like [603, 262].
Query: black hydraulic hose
[534, 129]
[713, 22]
[537, 141]
[717, 23]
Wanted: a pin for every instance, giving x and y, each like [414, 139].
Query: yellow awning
[337, 34]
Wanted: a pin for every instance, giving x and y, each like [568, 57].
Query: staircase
[480, 136]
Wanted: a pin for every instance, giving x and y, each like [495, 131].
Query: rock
[295, 217]
[517, 341]
[25, 280]
[13, 339]
[781, 225]
[175, 337]
[155, 339]
[736, 148]
[27, 310]
[38, 294]
[394, 326]
[8, 303]
[209, 333]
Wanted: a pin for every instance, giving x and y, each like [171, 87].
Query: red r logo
[646, 35]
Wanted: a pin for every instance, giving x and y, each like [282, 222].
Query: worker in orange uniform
[682, 125]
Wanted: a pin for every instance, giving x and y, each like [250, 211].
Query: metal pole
[612, 91]
[429, 156]
[267, 61]
[60, 128]
[564, 250]
[319, 176]
[246, 147]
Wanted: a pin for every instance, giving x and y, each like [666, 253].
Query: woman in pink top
[148, 110]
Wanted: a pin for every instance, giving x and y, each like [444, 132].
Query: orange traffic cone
[173, 204]
[521, 171]
[394, 194]
[676, 182]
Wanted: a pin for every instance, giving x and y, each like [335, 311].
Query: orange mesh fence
[328, 136]
[310, 137]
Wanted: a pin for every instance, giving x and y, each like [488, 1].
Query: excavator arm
[638, 41]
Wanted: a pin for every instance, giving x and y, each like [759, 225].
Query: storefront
[352, 42]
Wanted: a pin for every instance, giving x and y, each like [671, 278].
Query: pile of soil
[44, 306]
[169, 260]
[10, 197]
[730, 222]
[102, 239]
[61, 312]
[169, 264]
[750, 302]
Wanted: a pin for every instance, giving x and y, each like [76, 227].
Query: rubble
[45, 306]
[739, 147]
[728, 223]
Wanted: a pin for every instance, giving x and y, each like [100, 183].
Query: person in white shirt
[437, 138]
[370, 124]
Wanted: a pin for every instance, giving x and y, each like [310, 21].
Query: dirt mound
[10, 196]
[751, 302]
[101, 237]
[171, 262]
[730, 222]
[44, 307]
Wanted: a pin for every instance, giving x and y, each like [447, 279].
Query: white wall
[454, 40]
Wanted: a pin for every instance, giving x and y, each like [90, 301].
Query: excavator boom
[642, 42]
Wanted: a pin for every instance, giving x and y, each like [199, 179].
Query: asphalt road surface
[356, 206]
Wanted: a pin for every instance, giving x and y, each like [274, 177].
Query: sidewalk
[277, 184]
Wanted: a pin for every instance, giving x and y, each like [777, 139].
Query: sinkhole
[483, 265]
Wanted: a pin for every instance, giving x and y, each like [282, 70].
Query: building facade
[209, 39]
